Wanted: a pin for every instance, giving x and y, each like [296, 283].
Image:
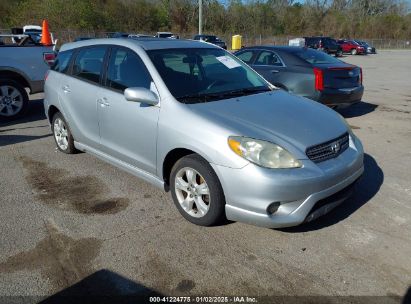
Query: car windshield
[316, 57]
[205, 74]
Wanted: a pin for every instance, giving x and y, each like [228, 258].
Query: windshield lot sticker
[228, 62]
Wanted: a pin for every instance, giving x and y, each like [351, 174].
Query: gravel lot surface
[67, 217]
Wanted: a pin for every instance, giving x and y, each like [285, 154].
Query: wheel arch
[171, 158]
[51, 111]
[10, 74]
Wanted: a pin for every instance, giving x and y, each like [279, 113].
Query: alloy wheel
[192, 192]
[11, 100]
[61, 134]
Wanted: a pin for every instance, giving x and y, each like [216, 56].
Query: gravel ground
[65, 218]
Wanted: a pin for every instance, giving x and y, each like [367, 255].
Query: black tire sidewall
[70, 147]
[23, 93]
[216, 211]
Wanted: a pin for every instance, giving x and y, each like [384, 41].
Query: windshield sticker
[228, 62]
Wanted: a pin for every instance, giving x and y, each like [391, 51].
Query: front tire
[353, 52]
[196, 191]
[62, 134]
[13, 100]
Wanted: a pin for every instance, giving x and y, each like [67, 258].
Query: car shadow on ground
[358, 109]
[367, 187]
[407, 297]
[35, 112]
[103, 286]
[6, 140]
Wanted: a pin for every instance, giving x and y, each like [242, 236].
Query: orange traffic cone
[45, 34]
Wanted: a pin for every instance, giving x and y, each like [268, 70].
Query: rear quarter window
[62, 61]
[316, 57]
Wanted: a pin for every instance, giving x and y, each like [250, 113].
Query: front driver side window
[126, 70]
[268, 58]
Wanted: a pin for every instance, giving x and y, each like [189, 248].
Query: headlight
[263, 153]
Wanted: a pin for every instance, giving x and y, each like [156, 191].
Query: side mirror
[142, 95]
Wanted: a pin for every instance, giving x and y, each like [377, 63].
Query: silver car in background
[191, 118]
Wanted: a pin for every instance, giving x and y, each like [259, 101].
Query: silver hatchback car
[191, 118]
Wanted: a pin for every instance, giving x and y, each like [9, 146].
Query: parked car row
[191, 118]
[339, 47]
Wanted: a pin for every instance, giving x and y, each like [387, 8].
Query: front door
[270, 66]
[128, 130]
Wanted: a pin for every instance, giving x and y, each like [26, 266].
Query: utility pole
[200, 17]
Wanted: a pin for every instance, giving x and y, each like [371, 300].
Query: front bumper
[250, 190]
[341, 97]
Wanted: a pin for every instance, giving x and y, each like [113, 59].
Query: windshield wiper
[193, 98]
[250, 90]
[204, 97]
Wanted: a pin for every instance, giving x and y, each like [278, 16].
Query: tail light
[49, 58]
[319, 79]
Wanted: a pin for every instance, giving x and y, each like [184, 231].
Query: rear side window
[89, 62]
[316, 57]
[246, 56]
[268, 58]
[126, 70]
[62, 61]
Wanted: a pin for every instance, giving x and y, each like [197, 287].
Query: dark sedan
[370, 49]
[307, 72]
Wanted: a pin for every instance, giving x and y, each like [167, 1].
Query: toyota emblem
[335, 147]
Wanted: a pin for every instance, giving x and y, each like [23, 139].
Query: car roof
[284, 48]
[143, 42]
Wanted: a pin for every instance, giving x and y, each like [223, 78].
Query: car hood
[277, 116]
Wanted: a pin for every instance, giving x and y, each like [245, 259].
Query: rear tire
[62, 134]
[353, 52]
[201, 187]
[339, 53]
[13, 100]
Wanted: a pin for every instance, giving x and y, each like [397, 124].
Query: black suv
[326, 44]
[211, 39]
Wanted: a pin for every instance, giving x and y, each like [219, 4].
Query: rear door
[128, 130]
[79, 93]
[331, 45]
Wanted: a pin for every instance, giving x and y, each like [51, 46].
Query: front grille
[329, 149]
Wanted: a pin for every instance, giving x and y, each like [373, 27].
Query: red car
[352, 47]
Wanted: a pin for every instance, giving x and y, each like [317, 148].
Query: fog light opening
[273, 207]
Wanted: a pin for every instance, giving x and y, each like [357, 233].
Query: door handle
[66, 89]
[275, 71]
[103, 102]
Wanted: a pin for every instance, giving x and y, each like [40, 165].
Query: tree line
[339, 18]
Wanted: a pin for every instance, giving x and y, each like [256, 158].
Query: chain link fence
[247, 40]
